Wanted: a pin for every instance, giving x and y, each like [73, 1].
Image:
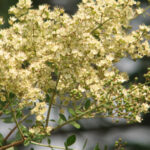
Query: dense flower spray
[47, 54]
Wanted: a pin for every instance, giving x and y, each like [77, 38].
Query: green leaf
[18, 113]
[78, 111]
[25, 130]
[60, 121]
[87, 104]
[47, 97]
[70, 140]
[18, 136]
[52, 120]
[97, 147]
[15, 148]
[27, 142]
[71, 111]
[38, 138]
[49, 141]
[62, 117]
[75, 124]
[11, 95]
[1, 139]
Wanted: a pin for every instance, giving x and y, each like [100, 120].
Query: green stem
[74, 119]
[51, 102]
[44, 145]
[12, 130]
[15, 119]
[12, 145]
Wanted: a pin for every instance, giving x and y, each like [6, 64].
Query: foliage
[48, 55]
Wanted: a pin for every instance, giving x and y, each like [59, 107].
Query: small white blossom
[145, 107]
[138, 119]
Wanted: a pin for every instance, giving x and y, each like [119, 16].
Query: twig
[12, 130]
[12, 144]
[15, 119]
[44, 145]
[74, 118]
[51, 102]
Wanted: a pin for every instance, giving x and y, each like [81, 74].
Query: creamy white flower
[138, 119]
[145, 107]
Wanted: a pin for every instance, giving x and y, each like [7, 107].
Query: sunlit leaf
[71, 111]
[75, 124]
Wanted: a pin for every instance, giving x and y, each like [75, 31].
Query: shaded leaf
[87, 104]
[18, 113]
[11, 95]
[27, 142]
[62, 117]
[1, 139]
[70, 140]
[106, 147]
[49, 141]
[53, 120]
[18, 136]
[97, 147]
[60, 121]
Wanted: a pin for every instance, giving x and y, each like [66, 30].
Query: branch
[12, 130]
[11, 145]
[84, 113]
[15, 119]
[51, 101]
[74, 118]
[51, 146]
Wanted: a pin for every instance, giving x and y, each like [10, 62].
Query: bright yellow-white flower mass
[43, 50]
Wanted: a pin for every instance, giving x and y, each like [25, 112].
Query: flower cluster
[45, 52]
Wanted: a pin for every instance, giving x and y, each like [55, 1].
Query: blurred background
[100, 131]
